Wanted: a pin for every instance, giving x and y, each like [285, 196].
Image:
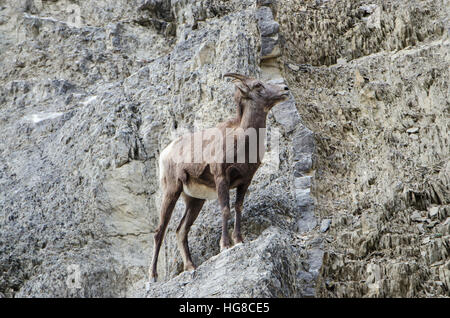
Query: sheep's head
[263, 95]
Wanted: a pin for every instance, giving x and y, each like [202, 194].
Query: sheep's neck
[252, 118]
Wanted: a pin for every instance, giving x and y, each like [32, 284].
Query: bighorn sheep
[212, 178]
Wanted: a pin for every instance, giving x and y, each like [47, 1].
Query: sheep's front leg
[223, 192]
[240, 194]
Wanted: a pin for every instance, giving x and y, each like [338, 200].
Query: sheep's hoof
[224, 247]
[224, 243]
[237, 239]
[150, 283]
[190, 268]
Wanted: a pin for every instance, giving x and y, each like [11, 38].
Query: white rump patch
[162, 157]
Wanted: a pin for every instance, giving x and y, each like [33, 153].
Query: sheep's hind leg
[169, 200]
[193, 207]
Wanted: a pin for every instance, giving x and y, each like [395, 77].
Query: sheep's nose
[284, 87]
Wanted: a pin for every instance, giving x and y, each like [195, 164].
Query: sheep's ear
[240, 82]
[242, 87]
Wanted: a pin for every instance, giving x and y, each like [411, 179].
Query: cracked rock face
[352, 198]
[264, 267]
[87, 104]
[371, 80]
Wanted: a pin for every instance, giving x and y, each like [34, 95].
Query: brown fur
[253, 100]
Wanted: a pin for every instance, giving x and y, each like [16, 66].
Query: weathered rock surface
[371, 80]
[87, 104]
[273, 265]
[352, 200]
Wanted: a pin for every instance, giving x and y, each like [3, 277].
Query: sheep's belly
[200, 191]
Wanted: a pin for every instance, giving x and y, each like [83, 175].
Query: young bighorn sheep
[214, 176]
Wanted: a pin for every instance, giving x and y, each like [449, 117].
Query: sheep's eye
[258, 85]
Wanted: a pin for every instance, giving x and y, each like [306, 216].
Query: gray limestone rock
[265, 267]
[91, 93]
[267, 26]
[89, 97]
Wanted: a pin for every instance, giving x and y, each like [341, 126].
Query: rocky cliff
[352, 199]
